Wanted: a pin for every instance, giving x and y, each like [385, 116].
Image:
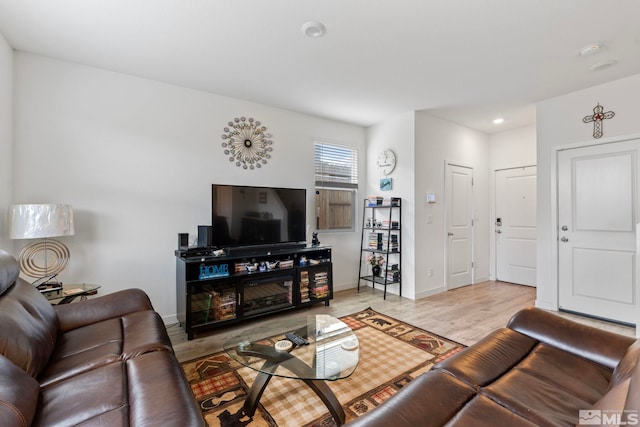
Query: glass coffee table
[332, 353]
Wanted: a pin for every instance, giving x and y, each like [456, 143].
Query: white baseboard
[172, 319]
[430, 292]
[545, 305]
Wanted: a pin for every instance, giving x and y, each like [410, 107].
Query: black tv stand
[249, 282]
[256, 250]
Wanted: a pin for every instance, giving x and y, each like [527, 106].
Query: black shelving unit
[381, 236]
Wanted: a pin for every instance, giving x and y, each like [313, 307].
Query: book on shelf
[287, 263]
[383, 201]
[319, 291]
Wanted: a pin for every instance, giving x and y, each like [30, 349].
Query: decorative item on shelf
[376, 270]
[597, 117]
[46, 257]
[314, 240]
[376, 262]
[246, 143]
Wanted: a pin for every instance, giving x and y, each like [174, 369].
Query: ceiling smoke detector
[590, 49]
[313, 29]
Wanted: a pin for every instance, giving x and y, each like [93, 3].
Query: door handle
[564, 239]
[449, 234]
[565, 228]
[498, 231]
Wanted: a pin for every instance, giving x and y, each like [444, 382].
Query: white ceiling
[467, 61]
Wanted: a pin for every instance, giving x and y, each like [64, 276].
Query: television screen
[245, 215]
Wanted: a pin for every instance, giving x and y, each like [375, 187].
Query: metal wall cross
[597, 117]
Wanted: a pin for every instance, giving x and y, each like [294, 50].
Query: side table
[70, 293]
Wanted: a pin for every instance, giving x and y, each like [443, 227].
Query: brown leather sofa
[106, 361]
[541, 370]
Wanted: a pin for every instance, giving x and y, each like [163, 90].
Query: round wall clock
[246, 143]
[386, 161]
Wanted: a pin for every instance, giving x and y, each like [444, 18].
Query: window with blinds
[336, 175]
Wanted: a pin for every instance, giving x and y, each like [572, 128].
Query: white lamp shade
[40, 221]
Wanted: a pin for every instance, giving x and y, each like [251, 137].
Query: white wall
[438, 141]
[6, 136]
[509, 149]
[396, 133]
[136, 158]
[559, 122]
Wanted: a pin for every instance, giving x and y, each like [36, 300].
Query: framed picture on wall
[386, 184]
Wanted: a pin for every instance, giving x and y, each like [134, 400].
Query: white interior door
[459, 205]
[597, 215]
[515, 225]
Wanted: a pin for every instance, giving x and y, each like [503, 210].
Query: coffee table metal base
[297, 366]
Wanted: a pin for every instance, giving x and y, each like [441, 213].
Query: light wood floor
[464, 315]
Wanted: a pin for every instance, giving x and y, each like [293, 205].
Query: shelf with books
[381, 240]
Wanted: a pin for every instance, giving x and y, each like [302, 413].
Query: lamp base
[44, 259]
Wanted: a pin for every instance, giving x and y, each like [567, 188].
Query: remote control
[296, 339]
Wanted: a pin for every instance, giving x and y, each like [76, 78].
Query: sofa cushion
[602, 347]
[109, 306]
[18, 395]
[489, 358]
[159, 393]
[104, 342]
[550, 387]
[90, 398]
[29, 327]
[572, 374]
[432, 399]
[483, 412]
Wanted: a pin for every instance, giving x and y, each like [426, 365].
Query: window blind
[336, 166]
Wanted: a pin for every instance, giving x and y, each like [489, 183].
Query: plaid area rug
[392, 353]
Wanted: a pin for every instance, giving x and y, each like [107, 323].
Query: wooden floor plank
[464, 314]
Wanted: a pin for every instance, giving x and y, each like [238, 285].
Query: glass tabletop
[332, 352]
[83, 288]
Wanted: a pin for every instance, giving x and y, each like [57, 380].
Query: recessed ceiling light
[498, 121]
[590, 49]
[313, 29]
[602, 65]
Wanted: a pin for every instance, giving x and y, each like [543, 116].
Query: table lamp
[47, 257]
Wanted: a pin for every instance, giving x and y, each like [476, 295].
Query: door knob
[449, 234]
[564, 239]
[565, 228]
[498, 231]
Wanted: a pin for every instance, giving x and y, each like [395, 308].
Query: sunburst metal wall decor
[246, 143]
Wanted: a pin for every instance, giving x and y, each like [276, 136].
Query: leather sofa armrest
[78, 314]
[602, 347]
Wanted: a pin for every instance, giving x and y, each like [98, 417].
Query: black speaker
[183, 241]
[205, 235]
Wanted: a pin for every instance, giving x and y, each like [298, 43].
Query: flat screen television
[247, 215]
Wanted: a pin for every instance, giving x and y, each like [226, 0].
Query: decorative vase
[376, 270]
